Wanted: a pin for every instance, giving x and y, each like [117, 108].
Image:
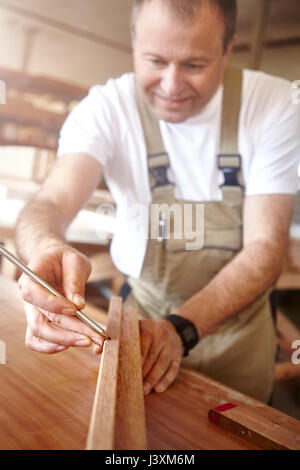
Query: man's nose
[172, 82]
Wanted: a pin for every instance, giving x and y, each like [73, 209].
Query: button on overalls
[241, 353]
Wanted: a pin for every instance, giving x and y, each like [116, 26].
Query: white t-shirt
[107, 126]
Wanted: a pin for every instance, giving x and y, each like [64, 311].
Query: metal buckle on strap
[159, 167]
[230, 166]
[160, 176]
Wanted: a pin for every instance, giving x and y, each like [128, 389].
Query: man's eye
[194, 66]
[156, 62]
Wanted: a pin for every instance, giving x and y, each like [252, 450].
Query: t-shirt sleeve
[88, 128]
[274, 166]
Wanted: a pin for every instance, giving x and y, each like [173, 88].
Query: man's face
[179, 65]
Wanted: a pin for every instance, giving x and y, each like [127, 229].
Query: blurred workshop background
[51, 53]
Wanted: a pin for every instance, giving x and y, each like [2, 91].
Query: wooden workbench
[46, 401]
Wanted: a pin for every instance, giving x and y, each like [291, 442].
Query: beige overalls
[241, 353]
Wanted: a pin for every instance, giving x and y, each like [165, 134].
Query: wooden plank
[118, 416]
[102, 425]
[39, 142]
[130, 413]
[40, 85]
[266, 433]
[24, 113]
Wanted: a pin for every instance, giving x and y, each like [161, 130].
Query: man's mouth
[172, 102]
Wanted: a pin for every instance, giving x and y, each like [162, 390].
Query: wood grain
[130, 412]
[46, 401]
[268, 432]
[102, 425]
[118, 416]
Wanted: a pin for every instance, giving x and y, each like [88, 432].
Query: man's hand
[162, 351]
[51, 322]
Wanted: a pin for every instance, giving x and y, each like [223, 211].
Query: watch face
[188, 333]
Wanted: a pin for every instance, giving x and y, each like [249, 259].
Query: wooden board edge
[102, 423]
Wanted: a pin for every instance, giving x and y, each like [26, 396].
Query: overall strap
[229, 159]
[158, 160]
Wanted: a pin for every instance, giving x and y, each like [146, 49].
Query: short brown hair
[187, 9]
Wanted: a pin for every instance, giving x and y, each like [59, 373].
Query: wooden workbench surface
[46, 401]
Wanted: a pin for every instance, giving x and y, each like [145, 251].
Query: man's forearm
[238, 284]
[38, 227]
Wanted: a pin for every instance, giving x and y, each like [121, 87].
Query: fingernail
[98, 341]
[83, 342]
[78, 300]
[147, 388]
[159, 388]
[60, 348]
[68, 311]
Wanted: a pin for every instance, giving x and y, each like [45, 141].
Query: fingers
[162, 374]
[52, 324]
[67, 271]
[157, 370]
[162, 350]
[163, 383]
[151, 357]
[146, 341]
[76, 325]
[37, 295]
[42, 346]
[44, 336]
[76, 270]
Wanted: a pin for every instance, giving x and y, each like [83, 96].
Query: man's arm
[252, 271]
[40, 241]
[43, 222]
[248, 275]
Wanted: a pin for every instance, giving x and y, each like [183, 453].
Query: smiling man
[180, 69]
[184, 129]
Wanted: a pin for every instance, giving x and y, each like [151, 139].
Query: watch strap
[186, 330]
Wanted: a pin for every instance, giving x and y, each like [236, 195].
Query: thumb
[76, 270]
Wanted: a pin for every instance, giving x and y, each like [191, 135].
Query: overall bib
[241, 353]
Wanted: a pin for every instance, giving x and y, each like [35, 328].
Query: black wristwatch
[186, 330]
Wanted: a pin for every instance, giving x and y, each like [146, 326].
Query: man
[208, 307]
